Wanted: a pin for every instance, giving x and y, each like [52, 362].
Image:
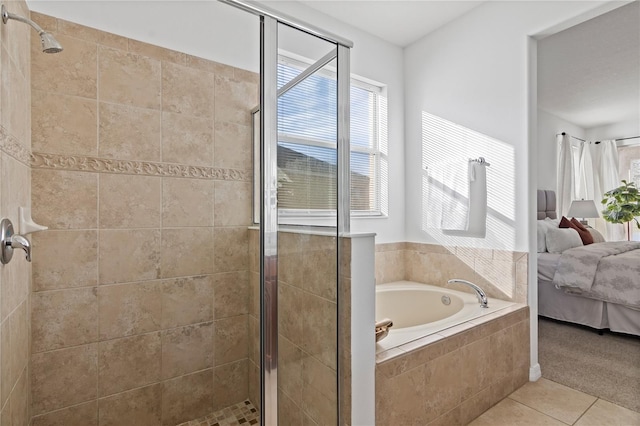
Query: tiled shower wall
[501, 274]
[307, 327]
[15, 277]
[141, 170]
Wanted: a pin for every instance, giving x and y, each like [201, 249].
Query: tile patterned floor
[241, 414]
[549, 403]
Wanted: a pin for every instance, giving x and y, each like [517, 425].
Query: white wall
[625, 129]
[225, 34]
[474, 72]
[549, 126]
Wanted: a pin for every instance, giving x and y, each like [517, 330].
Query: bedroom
[588, 89]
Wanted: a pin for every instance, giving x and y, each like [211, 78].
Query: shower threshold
[243, 413]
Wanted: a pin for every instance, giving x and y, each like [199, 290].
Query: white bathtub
[418, 310]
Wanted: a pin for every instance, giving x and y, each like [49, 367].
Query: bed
[617, 312]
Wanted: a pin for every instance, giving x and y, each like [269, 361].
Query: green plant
[622, 204]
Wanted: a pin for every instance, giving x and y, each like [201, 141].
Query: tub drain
[446, 300]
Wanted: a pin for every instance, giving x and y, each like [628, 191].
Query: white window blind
[307, 144]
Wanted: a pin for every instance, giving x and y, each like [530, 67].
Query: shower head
[49, 43]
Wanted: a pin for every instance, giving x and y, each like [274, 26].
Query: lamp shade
[583, 208]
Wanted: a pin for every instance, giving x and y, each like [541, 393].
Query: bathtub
[418, 310]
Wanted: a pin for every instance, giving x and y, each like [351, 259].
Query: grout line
[585, 411]
[537, 410]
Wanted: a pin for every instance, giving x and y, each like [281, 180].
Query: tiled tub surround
[452, 377]
[141, 168]
[15, 187]
[501, 274]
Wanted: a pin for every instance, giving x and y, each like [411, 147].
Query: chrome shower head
[49, 43]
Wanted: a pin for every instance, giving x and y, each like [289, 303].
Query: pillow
[543, 227]
[585, 236]
[561, 239]
[597, 236]
[583, 231]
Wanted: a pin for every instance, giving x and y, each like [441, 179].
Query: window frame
[302, 216]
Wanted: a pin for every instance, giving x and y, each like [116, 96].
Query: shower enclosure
[302, 207]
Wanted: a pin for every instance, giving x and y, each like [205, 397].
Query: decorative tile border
[10, 145]
[149, 168]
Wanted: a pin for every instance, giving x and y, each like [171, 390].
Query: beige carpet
[606, 366]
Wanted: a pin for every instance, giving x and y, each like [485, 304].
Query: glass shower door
[302, 123]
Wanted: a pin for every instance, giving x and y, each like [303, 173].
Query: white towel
[455, 205]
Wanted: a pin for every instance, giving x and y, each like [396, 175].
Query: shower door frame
[269, 94]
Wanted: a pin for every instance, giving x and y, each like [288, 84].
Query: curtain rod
[616, 140]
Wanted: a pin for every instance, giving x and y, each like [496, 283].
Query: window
[307, 160]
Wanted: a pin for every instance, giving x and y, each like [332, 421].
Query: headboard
[546, 204]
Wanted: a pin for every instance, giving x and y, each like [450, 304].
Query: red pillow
[584, 233]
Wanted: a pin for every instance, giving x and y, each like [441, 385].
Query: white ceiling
[589, 74]
[396, 21]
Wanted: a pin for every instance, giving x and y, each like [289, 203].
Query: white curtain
[605, 172]
[565, 172]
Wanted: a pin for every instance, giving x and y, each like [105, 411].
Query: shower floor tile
[241, 414]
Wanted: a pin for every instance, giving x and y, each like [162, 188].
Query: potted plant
[622, 205]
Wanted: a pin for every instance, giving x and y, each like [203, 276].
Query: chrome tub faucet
[482, 297]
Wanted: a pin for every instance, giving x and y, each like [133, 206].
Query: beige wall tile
[389, 266]
[472, 407]
[231, 249]
[254, 384]
[290, 316]
[20, 401]
[291, 266]
[15, 101]
[233, 203]
[72, 73]
[320, 329]
[5, 415]
[320, 273]
[72, 369]
[91, 35]
[6, 384]
[130, 201]
[136, 260]
[15, 188]
[321, 378]
[65, 200]
[187, 301]
[64, 318]
[319, 407]
[521, 343]
[254, 293]
[254, 341]
[501, 353]
[80, 249]
[129, 133]
[48, 23]
[19, 340]
[187, 90]
[187, 349]
[127, 309]
[443, 380]
[246, 75]
[209, 66]
[140, 407]
[155, 52]
[18, 37]
[231, 292]
[231, 339]
[230, 384]
[187, 202]
[291, 360]
[187, 397]
[129, 79]
[289, 413]
[234, 100]
[475, 359]
[64, 124]
[187, 139]
[187, 251]
[233, 146]
[82, 414]
[397, 400]
[128, 363]
[498, 277]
